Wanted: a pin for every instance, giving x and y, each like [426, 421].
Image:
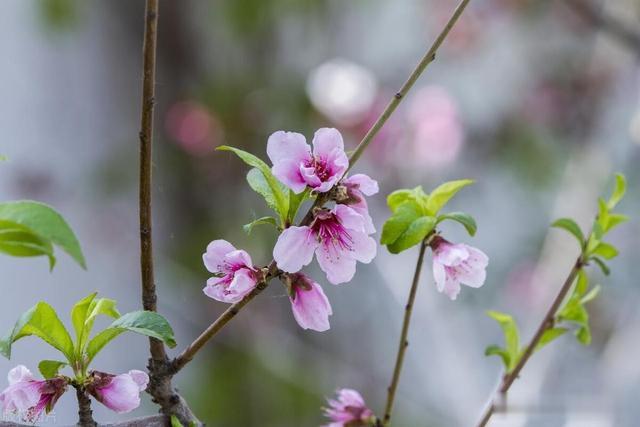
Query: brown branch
[625, 33]
[548, 322]
[149, 421]
[188, 353]
[160, 375]
[404, 343]
[85, 418]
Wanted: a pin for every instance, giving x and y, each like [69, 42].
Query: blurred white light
[634, 127]
[342, 90]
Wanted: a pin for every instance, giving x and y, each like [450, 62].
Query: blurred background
[539, 101]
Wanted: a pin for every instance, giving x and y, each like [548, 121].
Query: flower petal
[214, 256]
[283, 145]
[338, 264]
[294, 248]
[472, 271]
[451, 254]
[237, 259]
[325, 141]
[288, 172]
[364, 183]
[140, 378]
[243, 282]
[311, 308]
[364, 247]
[349, 218]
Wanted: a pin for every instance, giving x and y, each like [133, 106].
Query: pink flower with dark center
[120, 393]
[455, 264]
[297, 167]
[30, 397]
[309, 304]
[338, 237]
[234, 273]
[358, 186]
[348, 410]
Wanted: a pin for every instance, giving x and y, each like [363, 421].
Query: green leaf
[494, 350]
[295, 200]
[570, 225]
[264, 220]
[3, 158]
[606, 250]
[443, 193]
[79, 313]
[583, 335]
[83, 316]
[50, 368]
[146, 323]
[413, 235]
[582, 283]
[550, 335]
[614, 220]
[269, 187]
[465, 219]
[603, 266]
[18, 241]
[41, 321]
[403, 216]
[593, 293]
[618, 191]
[44, 222]
[511, 336]
[398, 197]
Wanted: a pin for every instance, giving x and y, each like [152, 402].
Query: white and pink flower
[358, 186]
[297, 167]
[310, 306]
[234, 273]
[455, 264]
[120, 393]
[349, 409]
[29, 397]
[338, 237]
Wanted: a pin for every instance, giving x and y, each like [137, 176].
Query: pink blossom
[338, 237]
[455, 264]
[297, 167]
[120, 393]
[348, 410]
[234, 273]
[28, 396]
[309, 304]
[358, 186]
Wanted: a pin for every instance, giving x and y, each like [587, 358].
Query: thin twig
[187, 354]
[548, 322]
[404, 343]
[85, 418]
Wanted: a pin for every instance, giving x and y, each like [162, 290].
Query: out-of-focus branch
[231, 312]
[547, 323]
[612, 25]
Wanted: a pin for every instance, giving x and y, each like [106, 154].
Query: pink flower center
[330, 231]
[322, 170]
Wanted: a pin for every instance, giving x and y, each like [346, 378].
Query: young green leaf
[443, 193]
[603, 266]
[18, 241]
[44, 222]
[146, 323]
[582, 283]
[295, 200]
[417, 194]
[550, 335]
[175, 422]
[268, 220]
[465, 219]
[403, 216]
[41, 321]
[79, 313]
[614, 220]
[570, 225]
[269, 187]
[605, 250]
[50, 368]
[494, 350]
[511, 336]
[618, 191]
[593, 293]
[413, 235]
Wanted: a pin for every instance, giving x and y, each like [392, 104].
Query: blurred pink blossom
[436, 133]
[193, 127]
[349, 409]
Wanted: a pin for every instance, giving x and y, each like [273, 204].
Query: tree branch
[404, 343]
[160, 387]
[85, 418]
[231, 312]
[548, 322]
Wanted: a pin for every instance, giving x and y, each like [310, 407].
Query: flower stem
[404, 343]
[84, 408]
[548, 322]
[188, 353]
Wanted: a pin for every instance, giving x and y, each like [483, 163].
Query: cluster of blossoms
[349, 410]
[29, 397]
[338, 236]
